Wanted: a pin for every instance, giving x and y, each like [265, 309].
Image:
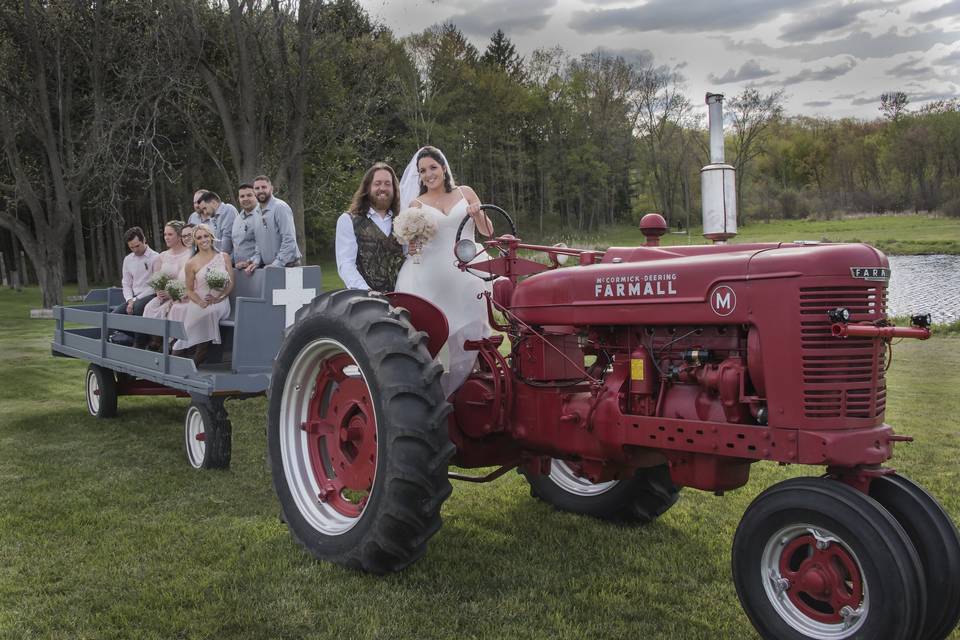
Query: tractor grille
[842, 378]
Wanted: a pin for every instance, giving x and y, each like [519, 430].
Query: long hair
[433, 152]
[360, 205]
[177, 226]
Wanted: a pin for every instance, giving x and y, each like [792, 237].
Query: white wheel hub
[195, 437]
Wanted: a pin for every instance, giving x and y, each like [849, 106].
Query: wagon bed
[251, 336]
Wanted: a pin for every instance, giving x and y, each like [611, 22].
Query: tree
[893, 105]
[661, 113]
[253, 62]
[751, 114]
[502, 53]
[65, 129]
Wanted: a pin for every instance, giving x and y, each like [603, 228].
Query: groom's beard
[381, 201]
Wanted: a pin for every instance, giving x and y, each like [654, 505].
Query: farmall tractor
[613, 383]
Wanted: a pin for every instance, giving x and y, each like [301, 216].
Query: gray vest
[379, 257]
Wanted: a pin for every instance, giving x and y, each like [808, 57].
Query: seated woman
[171, 262]
[207, 307]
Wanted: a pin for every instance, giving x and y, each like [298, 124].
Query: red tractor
[635, 373]
[612, 384]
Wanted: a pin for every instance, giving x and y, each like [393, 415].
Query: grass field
[893, 234]
[105, 532]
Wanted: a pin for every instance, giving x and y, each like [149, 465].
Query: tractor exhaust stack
[718, 192]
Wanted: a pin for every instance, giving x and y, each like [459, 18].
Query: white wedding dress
[454, 292]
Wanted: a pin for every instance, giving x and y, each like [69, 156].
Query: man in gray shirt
[276, 234]
[199, 193]
[219, 216]
[246, 254]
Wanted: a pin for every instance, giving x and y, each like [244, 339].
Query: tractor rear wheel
[357, 433]
[207, 434]
[814, 558]
[101, 392]
[935, 537]
[642, 498]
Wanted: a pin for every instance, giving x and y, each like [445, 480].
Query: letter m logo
[723, 300]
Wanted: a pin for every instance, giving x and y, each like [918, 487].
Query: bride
[427, 184]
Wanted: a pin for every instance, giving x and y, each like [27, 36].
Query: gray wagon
[262, 306]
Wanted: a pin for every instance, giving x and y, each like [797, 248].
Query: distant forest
[112, 113]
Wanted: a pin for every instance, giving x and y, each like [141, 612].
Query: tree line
[113, 113]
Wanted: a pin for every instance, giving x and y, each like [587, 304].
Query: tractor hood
[653, 280]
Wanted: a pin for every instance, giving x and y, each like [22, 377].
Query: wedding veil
[410, 181]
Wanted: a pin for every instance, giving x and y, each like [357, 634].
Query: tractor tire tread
[412, 484]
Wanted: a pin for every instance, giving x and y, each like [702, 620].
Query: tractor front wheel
[935, 537]
[357, 433]
[814, 558]
[642, 498]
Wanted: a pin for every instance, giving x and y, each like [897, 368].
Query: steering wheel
[486, 208]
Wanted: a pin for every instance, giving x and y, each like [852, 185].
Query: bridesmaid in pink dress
[206, 307]
[171, 262]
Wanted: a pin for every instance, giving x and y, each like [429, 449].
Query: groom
[368, 256]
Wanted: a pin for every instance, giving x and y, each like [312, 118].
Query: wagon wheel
[935, 537]
[101, 391]
[642, 498]
[814, 558]
[486, 208]
[207, 434]
[357, 433]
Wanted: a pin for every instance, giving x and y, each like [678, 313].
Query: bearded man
[368, 256]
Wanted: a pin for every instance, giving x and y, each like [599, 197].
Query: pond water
[925, 284]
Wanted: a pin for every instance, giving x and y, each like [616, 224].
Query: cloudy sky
[832, 58]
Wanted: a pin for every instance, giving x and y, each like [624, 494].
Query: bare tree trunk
[83, 284]
[154, 213]
[101, 255]
[296, 201]
[543, 191]
[113, 251]
[50, 275]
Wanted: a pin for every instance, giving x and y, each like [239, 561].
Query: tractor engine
[706, 357]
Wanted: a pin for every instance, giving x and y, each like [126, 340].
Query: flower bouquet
[177, 290]
[414, 226]
[158, 281]
[217, 280]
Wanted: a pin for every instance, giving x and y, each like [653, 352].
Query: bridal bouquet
[158, 281]
[217, 279]
[414, 226]
[177, 290]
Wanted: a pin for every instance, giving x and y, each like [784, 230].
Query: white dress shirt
[346, 247]
[136, 274]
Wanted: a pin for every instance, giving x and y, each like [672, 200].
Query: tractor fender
[424, 316]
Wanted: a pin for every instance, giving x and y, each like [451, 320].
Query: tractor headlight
[560, 258]
[465, 250]
[840, 314]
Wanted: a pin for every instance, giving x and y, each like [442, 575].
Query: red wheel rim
[342, 437]
[823, 578]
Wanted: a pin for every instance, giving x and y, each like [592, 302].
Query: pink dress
[202, 324]
[171, 264]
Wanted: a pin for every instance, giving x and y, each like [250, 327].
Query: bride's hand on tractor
[480, 219]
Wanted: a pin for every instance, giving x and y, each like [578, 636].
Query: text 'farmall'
[635, 285]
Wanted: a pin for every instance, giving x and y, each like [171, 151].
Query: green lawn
[899, 234]
[105, 532]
